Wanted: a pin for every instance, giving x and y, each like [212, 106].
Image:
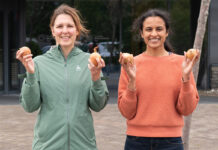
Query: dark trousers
[150, 143]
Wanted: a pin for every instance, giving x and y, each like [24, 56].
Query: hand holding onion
[25, 51]
[24, 55]
[127, 62]
[191, 53]
[191, 57]
[95, 56]
[96, 63]
[126, 58]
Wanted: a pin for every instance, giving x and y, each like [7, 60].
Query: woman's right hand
[26, 60]
[130, 69]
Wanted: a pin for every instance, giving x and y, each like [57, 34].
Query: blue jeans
[156, 143]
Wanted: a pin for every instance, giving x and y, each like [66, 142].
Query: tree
[198, 42]
[180, 15]
[38, 12]
[114, 17]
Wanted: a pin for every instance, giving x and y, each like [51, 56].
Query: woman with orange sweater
[157, 89]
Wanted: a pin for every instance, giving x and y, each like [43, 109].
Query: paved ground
[16, 126]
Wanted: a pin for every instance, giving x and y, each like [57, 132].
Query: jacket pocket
[44, 126]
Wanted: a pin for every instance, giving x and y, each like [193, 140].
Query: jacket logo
[78, 68]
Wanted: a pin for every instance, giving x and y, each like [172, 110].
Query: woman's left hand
[96, 70]
[188, 64]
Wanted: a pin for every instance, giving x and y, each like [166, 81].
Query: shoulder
[45, 56]
[82, 53]
[81, 56]
[138, 57]
[39, 58]
[176, 57]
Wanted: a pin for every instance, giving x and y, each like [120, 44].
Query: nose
[154, 33]
[64, 29]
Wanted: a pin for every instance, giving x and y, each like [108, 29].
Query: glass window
[1, 51]
[13, 44]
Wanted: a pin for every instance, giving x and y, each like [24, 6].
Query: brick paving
[16, 128]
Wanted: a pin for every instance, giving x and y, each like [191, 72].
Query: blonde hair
[74, 13]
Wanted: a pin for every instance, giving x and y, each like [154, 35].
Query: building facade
[212, 72]
[13, 35]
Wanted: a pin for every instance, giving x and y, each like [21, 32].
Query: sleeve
[127, 100]
[188, 97]
[30, 92]
[99, 95]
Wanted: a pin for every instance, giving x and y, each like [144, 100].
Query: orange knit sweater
[161, 99]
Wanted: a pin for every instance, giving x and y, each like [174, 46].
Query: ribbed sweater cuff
[130, 94]
[154, 131]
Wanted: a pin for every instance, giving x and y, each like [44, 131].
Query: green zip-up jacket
[65, 93]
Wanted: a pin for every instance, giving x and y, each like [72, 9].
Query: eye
[70, 26]
[159, 28]
[148, 29]
[59, 26]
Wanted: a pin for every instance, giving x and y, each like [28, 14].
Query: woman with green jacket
[61, 85]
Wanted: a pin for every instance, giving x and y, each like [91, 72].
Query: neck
[66, 51]
[156, 52]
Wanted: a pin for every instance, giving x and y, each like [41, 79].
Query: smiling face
[64, 30]
[154, 32]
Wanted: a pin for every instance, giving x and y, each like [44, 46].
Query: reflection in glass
[13, 41]
[1, 51]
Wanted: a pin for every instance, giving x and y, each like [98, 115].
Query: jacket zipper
[67, 87]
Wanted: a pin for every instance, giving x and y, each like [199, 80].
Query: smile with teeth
[154, 39]
[65, 37]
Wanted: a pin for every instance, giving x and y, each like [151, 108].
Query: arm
[99, 95]
[188, 97]
[127, 99]
[30, 92]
